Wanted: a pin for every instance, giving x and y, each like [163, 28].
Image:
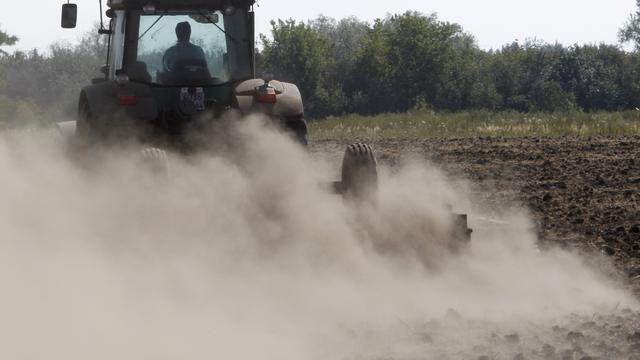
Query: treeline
[403, 62]
[36, 88]
[413, 61]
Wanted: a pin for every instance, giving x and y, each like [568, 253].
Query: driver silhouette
[184, 51]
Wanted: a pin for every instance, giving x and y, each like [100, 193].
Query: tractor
[174, 66]
[171, 62]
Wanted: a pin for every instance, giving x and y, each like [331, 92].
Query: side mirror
[69, 16]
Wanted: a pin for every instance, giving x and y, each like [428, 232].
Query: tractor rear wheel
[359, 172]
[156, 162]
[297, 126]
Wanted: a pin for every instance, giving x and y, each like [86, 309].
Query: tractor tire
[83, 125]
[156, 162]
[359, 173]
[297, 127]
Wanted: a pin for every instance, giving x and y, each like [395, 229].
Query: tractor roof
[178, 4]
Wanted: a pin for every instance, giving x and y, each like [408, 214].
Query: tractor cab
[179, 42]
[182, 46]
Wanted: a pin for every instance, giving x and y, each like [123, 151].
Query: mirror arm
[108, 32]
[102, 30]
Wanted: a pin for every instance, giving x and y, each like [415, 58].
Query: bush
[548, 96]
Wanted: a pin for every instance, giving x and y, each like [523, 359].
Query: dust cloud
[244, 254]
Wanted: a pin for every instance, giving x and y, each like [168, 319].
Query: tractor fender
[102, 101]
[288, 99]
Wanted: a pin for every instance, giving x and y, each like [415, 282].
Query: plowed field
[583, 192]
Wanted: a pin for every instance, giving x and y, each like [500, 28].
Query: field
[246, 245]
[577, 173]
[427, 124]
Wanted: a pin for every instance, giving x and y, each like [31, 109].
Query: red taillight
[127, 100]
[267, 98]
[266, 94]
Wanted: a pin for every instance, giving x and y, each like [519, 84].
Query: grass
[428, 124]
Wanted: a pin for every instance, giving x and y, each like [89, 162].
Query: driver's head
[183, 31]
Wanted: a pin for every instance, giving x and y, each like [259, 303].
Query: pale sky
[492, 22]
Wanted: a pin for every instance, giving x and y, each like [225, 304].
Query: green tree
[53, 80]
[630, 31]
[345, 35]
[595, 76]
[407, 60]
[548, 96]
[421, 48]
[521, 72]
[630, 81]
[370, 85]
[298, 53]
[462, 85]
[7, 40]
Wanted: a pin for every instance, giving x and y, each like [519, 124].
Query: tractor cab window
[187, 48]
